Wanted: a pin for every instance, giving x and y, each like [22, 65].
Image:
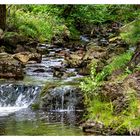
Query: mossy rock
[13, 38]
[47, 87]
[35, 106]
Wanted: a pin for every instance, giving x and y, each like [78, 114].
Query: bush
[38, 26]
[131, 32]
[91, 84]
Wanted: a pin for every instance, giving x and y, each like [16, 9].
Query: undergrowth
[37, 26]
[91, 83]
[103, 111]
[44, 21]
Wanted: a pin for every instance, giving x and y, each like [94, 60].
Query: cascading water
[63, 99]
[17, 118]
[15, 97]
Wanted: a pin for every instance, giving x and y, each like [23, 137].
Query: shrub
[91, 83]
[38, 26]
[131, 32]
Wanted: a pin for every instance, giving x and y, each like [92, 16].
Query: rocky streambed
[40, 95]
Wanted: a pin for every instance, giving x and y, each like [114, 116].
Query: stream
[16, 98]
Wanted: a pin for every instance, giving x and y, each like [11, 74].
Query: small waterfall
[62, 102]
[15, 97]
[62, 99]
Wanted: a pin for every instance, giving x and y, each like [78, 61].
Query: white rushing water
[5, 111]
[16, 97]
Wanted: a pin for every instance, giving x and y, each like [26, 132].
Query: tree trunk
[2, 16]
[135, 60]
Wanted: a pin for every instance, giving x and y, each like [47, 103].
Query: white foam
[5, 111]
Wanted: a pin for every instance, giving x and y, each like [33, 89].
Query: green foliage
[127, 120]
[100, 111]
[130, 115]
[98, 13]
[124, 13]
[117, 62]
[39, 26]
[127, 70]
[103, 111]
[43, 21]
[136, 69]
[131, 32]
[35, 106]
[10, 34]
[91, 84]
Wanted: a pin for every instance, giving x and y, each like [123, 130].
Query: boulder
[9, 67]
[119, 93]
[85, 66]
[83, 60]
[58, 71]
[93, 54]
[122, 95]
[31, 46]
[11, 39]
[63, 97]
[96, 52]
[56, 40]
[24, 57]
[43, 49]
[94, 128]
[111, 91]
[16, 43]
[19, 48]
[114, 39]
[69, 74]
[103, 42]
[73, 60]
[61, 38]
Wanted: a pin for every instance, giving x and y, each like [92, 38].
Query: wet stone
[63, 98]
[9, 67]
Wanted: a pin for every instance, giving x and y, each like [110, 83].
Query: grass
[127, 120]
[100, 111]
[103, 111]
